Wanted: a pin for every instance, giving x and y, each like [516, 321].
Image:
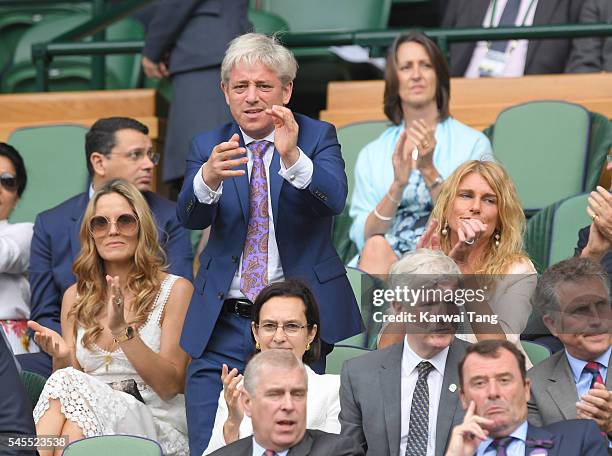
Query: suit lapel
[303, 447]
[562, 389]
[449, 400]
[241, 183]
[76, 218]
[390, 375]
[543, 12]
[476, 10]
[536, 433]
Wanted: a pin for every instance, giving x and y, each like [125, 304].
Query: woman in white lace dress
[121, 323]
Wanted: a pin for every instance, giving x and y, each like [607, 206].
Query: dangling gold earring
[308, 346]
[257, 346]
[445, 230]
[497, 238]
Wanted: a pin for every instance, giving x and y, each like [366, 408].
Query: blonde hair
[510, 216]
[142, 281]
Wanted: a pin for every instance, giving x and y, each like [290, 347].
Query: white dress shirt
[409, 377]
[299, 175]
[517, 52]
[15, 241]
[322, 409]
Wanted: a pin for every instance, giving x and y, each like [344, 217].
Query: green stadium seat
[352, 138]
[104, 445]
[16, 20]
[33, 384]
[267, 22]
[536, 352]
[54, 157]
[73, 72]
[340, 353]
[544, 146]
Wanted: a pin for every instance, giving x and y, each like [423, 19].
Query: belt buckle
[236, 310]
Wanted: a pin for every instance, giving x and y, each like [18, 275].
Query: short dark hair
[491, 349]
[101, 136]
[295, 289]
[392, 101]
[8, 151]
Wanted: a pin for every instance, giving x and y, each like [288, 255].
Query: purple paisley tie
[255, 255]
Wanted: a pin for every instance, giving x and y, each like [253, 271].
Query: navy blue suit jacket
[302, 223]
[15, 407]
[55, 246]
[571, 437]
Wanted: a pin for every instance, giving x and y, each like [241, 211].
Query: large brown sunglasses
[126, 224]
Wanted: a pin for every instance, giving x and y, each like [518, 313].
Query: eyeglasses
[126, 224]
[609, 158]
[290, 329]
[8, 181]
[139, 155]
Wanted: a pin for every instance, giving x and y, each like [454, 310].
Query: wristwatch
[127, 335]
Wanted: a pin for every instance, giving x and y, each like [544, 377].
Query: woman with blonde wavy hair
[478, 221]
[118, 369]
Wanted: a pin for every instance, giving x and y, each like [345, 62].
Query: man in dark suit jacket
[116, 147]
[194, 33]
[573, 297]
[494, 392]
[274, 397]
[299, 185]
[543, 56]
[379, 389]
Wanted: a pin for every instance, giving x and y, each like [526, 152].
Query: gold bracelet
[381, 217]
[393, 200]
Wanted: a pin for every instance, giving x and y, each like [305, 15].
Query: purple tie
[255, 255]
[501, 445]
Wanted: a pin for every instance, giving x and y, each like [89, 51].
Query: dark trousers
[40, 363]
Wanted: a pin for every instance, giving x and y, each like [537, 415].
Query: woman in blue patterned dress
[398, 175]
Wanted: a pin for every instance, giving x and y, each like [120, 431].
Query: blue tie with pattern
[418, 431]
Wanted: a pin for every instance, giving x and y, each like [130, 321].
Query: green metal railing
[43, 53]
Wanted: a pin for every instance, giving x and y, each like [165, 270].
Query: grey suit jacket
[543, 56]
[314, 443]
[594, 53]
[370, 400]
[553, 391]
[194, 32]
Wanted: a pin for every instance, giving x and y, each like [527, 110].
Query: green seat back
[340, 353]
[535, 352]
[16, 20]
[544, 147]
[330, 15]
[267, 22]
[33, 384]
[352, 139]
[569, 217]
[105, 445]
[54, 158]
[72, 72]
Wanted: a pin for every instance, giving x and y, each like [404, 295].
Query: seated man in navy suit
[494, 392]
[268, 185]
[116, 147]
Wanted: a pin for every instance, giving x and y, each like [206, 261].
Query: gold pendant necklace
[108, 358]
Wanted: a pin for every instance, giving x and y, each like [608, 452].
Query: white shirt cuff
[300, 174]
[203, 192]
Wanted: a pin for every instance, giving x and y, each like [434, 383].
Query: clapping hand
[596, 405]
[223, 159]
[50, 341]
[231, 393]
[115, 306]
[285, 134]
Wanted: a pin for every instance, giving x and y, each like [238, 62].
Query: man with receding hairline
[274, 397]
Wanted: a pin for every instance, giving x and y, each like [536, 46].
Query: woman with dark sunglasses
[15, 241]
[118, 369]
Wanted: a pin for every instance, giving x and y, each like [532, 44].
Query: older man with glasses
[115, 148]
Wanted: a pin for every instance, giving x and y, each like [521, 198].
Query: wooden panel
[476, 102]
